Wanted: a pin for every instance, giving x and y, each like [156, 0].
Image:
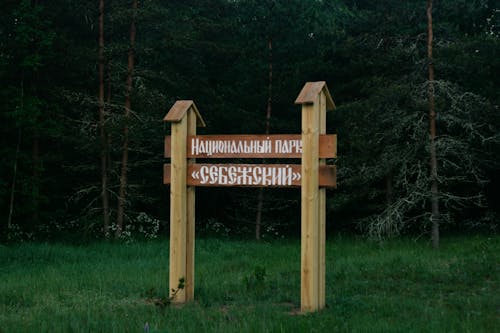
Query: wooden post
[190, 227]
[309, 290]
[178, 209]
[184, 116]
[315, 99]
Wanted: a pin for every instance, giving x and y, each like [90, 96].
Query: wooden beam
[190, 217]
[322, 211]
[251, 175]
[309, 290]
[315, 100]
[178, 210]
[252, 146]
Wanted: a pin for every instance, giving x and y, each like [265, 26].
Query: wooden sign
[252, 146]
[251, 175]
[312, 175]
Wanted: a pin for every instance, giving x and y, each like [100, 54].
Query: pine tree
[122, 196]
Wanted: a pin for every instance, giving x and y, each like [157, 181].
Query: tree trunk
[389, 188]
[102, 131]
[14, 180]
[432, 130]
[16, 160]
[36, 178]
[123, 174]
[35, 154]
[260, 198]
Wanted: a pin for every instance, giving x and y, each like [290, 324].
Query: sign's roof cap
[310, 91]
[179, 110]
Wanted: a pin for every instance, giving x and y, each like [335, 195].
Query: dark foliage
[371, 53]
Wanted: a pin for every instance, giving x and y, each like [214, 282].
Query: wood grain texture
[273, 146]
[311, 91]
[309, 208]
[190, 218]
[178, 207]
[178, 111]
[322, 212]
[219, 175]
[312, 146]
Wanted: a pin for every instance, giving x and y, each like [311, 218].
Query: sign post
[184, 117]
[315, 99]
[313, 146]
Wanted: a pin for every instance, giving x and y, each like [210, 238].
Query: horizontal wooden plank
[253, 146]
[251, 175]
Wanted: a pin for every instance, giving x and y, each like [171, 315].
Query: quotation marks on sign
[246, 175]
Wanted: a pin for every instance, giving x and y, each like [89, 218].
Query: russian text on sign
[239, 175]
[209, 147]
[251, 175]
[253, 146]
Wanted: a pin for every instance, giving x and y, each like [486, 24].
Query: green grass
[241, 286]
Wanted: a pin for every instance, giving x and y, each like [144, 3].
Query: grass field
[242, 286]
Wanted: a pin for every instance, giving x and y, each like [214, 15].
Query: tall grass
[242, 286]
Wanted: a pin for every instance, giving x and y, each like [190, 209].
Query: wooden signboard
[251, 175]
[313, 146]
[252, 146]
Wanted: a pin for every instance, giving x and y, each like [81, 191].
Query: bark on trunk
[260, 198]
[124, 166]
[432, 130]
[102, 131]
[388, 197]
[36, 177]
[16, 161]
[14, 180]
[388, 188]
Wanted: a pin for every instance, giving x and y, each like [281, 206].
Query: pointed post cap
[179, 110]
[309, 93]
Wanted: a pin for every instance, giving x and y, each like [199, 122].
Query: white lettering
[266, 176]
[223, 175]
[287, 176]
[233, 148]
[277, 146]
[250, 175]
[207, 147]
[257, 173]
[296, 146]
[203, 174]
[243, 177]
[267, 146]
[213, 174]
[232, 175]
[276, 177]
[194, 146]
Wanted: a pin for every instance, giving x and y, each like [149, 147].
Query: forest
[85, 86]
